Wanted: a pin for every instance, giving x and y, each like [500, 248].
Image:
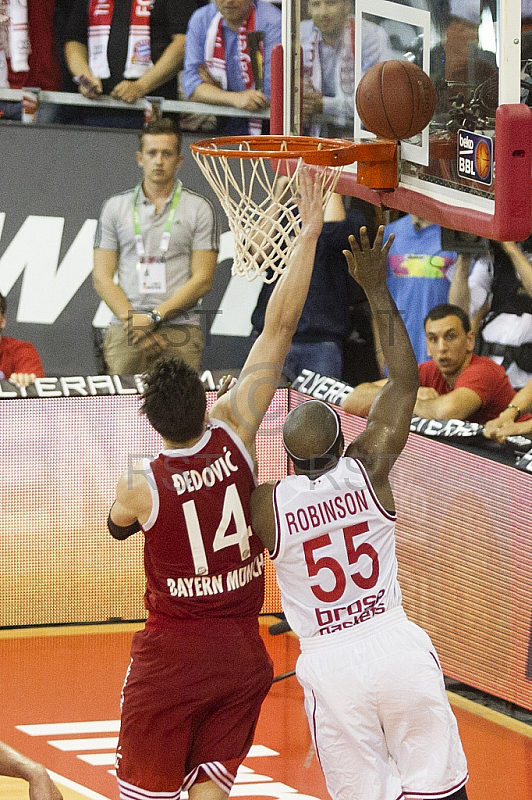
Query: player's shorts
[379, 715]
[190, 704]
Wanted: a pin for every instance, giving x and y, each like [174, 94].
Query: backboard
[470, 169]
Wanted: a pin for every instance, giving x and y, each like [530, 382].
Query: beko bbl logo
[475, 157]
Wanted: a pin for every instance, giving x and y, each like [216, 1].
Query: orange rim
[313, 150]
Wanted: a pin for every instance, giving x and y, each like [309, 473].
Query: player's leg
[420, 728]
[344, 723]
[155, 729]
[207, 790]
[222, 739]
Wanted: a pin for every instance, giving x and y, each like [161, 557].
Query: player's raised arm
[391, 412]
[244, 406]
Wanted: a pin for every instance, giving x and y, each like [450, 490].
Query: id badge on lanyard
[152, 275]
[151, 270]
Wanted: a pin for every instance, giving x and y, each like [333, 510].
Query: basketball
[395, 99]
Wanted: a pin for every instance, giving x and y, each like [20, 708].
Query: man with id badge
[161, 240]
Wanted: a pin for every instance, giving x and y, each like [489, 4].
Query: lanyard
[165, 238]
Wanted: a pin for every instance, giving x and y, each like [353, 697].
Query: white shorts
[378, 712]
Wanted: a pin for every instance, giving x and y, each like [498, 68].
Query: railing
[105, 101]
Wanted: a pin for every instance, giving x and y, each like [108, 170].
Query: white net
[259, 197]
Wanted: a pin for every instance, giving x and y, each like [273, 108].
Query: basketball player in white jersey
[375, 698]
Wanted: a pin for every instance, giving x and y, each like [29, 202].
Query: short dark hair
[174, 400]
[158, 127]
[3, 305]
[448, 310]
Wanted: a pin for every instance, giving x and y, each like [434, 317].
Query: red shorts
[190, 703]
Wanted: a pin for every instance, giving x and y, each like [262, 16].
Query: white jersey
[335, 551]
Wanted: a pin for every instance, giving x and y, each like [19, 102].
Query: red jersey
[44, 71]
[483, 376]
[19, 356]
[200, 555]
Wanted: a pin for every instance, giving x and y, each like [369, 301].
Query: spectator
[498, 296]
[419, 274]
[460, 39]
[162, 241]
[457, 62]
[62, 9]
[375, 698]
[199, 670]
[327, 41]
[126, 52]
[28, 55]
[324, 326]
[15, 765]
[218, 64]
[168, 26]
[456, 384]
[510, 422]
[19, 361]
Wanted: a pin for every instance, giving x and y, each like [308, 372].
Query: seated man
[218, 58]
[19, 361]
[327, 41]
[456, 383]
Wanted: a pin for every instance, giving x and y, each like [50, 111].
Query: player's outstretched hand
[367, 264]
[310, 201]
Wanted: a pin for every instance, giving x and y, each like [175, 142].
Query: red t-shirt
[200, 556]
[19, 356]
[483, 376]
[44, 71]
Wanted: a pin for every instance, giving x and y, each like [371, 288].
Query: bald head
[312, 430]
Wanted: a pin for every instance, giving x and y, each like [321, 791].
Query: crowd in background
[468, 313]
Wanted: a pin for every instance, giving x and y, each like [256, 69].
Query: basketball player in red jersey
[375, 697]
[199, 670]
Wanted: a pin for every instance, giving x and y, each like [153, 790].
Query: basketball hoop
[256, 181]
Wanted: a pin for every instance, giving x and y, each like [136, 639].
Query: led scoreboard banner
[464, 532]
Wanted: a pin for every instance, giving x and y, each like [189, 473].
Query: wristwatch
[155, 317]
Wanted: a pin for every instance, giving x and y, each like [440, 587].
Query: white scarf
[215, 57]
[14, 38]
[344, 83]
[138, 59]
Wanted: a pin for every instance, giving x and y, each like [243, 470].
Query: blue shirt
[326, 314]
[419, 274]
[268, 20]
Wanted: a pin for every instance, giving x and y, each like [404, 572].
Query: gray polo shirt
[195, 227]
